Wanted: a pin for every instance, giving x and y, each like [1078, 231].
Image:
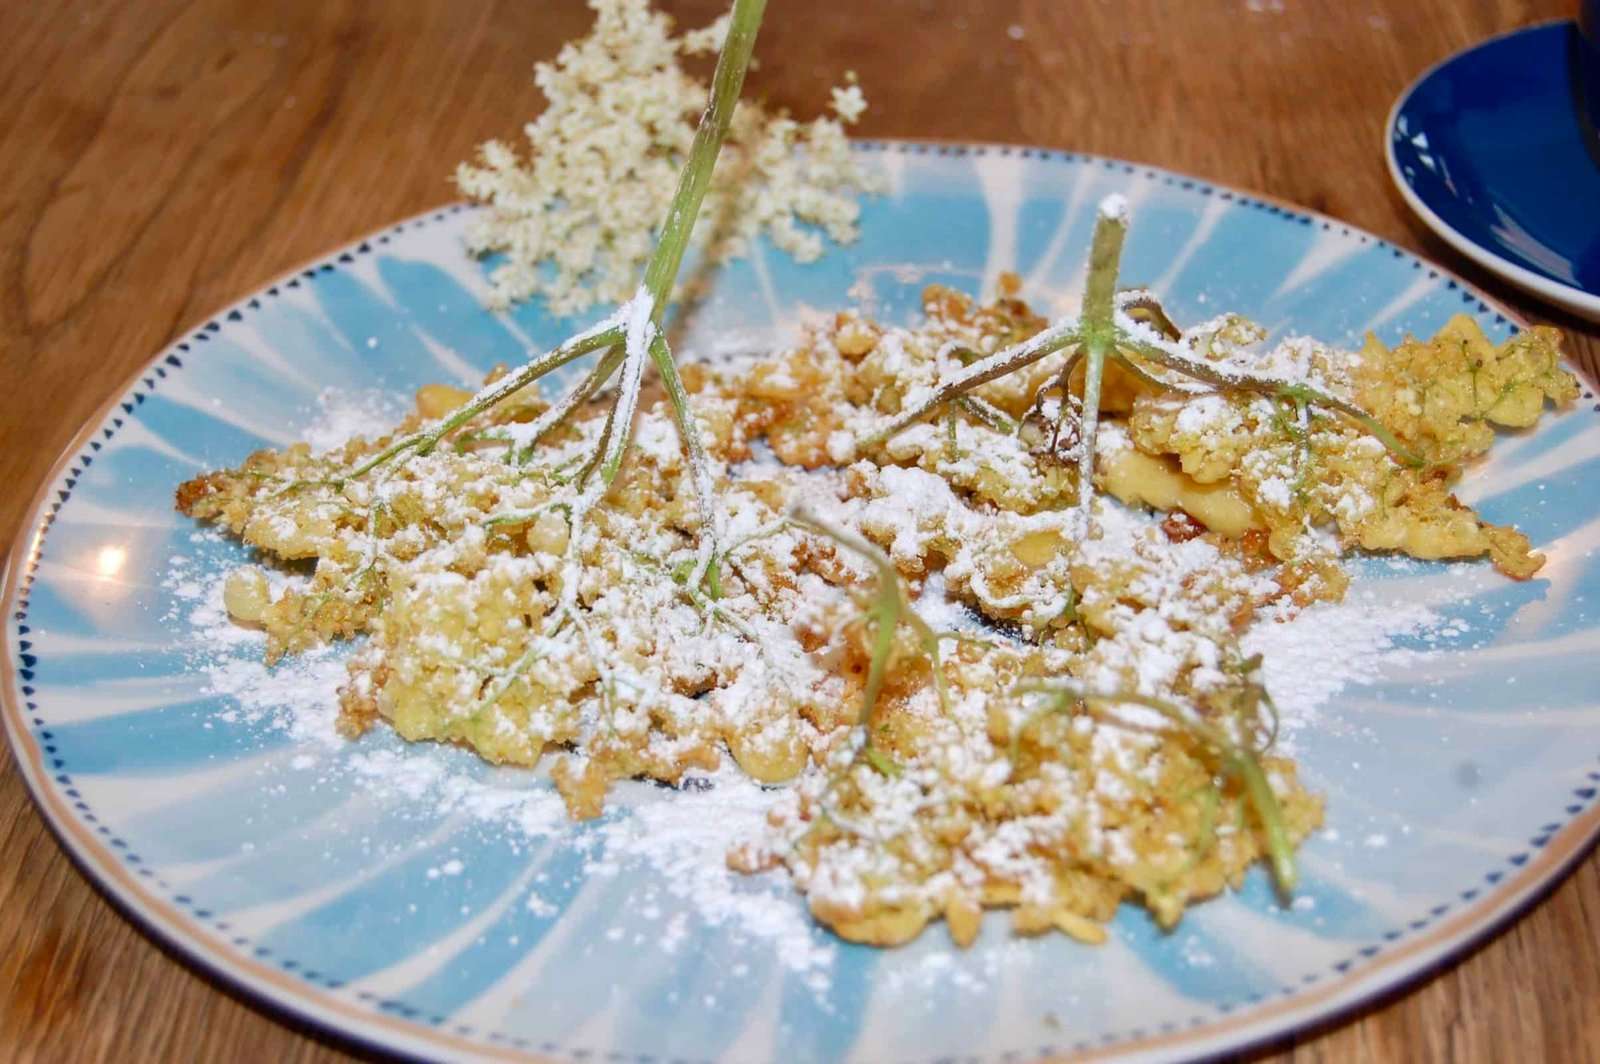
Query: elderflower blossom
[574, 219]
[849, 102]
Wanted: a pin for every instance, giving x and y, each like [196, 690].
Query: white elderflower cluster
[575, 218]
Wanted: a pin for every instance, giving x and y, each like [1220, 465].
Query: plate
[1490, 149]
[415, 899]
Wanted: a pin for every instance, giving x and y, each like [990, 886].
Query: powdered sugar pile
[684, 838]
[346, 412]
[1323, 650]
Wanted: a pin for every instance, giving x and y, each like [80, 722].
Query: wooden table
[163, 157]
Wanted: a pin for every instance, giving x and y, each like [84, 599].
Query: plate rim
[1568, 297]
[1232, 1028]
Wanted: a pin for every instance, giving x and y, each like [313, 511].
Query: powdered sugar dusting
[1117, 601]
[679, 840]
[684, 840]
[346, 412]
[1323, 650]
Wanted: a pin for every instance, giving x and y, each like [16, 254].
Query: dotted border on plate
[173, 361]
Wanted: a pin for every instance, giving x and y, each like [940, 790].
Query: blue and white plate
[415, 899]
[1494, 149]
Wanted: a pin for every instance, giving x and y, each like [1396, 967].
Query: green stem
[732, 62]
[997, 365]
[508, 679]
[1237, 760]
[1280, 851]
[694, 446]
[891, 604]
[988, 413]
[886, 609]
[1143, 307]
[1138, 372]
[1099, 294]
[1294, 392]
[576, 396]
[619, 424]
[705, 604]
[1099, 334]
[495, 394]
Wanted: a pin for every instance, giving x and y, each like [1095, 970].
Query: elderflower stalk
[1052, 339]
[636, 329]
[1106, 330]
[890, 605]
[699, 461]
[662, 272]
[1099, 334]
[602, 336]
[726, 84]
[1238, 760]
[1294, 392]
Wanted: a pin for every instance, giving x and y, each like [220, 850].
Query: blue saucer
[1490, 149]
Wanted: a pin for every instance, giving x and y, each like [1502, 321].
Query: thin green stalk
[1099, 335]
[987, 413]
[1237, 760]
[726, 83]
[705, 604]
[1280, 850]
[1142, 306]
[508, 679]
[699, 461]
[1292, 391]
[522, 517]
[575, 396]
[494, 394]
[619, 426]
[1138, 372]
[885, 608]
[890, 606]
[1063, 385]
[997, 365]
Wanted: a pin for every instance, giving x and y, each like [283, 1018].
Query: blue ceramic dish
[1492, 148]
[1459, 784]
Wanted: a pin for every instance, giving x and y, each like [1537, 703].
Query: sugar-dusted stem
[1238, 759]
[640, 333]
[607, 334]
[885, 608]
[1292, 391]
[699, 462]
[1280, 851]
[662, 272]
[889, 607]
[574, 397]
[636, 328]
[1050, 340]
[987, 413]
[1099, 331]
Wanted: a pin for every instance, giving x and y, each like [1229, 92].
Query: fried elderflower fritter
[989, 687]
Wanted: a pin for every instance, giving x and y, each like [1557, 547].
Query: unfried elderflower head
[575, 219]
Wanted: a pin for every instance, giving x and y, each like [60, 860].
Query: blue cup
[1586, 63]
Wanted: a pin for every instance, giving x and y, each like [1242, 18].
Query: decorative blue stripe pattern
[1443, 779]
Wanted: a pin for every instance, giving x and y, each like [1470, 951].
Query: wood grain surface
[164, 157]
